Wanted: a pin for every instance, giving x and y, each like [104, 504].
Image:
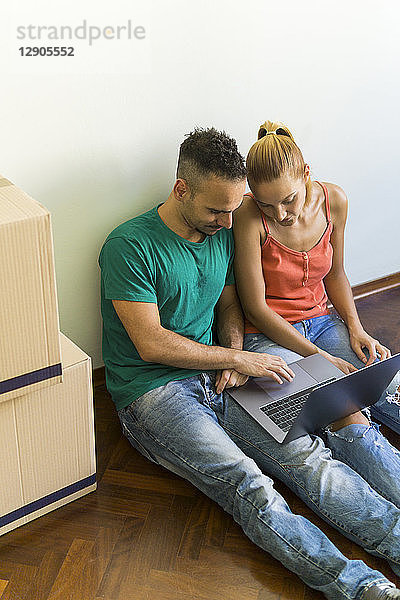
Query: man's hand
[229, 378]
[258, 364]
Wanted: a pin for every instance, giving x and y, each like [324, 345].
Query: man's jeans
[330, 333]
[211, 441]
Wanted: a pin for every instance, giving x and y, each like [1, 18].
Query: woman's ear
[306, 172]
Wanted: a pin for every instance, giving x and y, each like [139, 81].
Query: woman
[289, 237]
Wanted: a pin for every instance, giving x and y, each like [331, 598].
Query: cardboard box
[47, 444]
[29, 328]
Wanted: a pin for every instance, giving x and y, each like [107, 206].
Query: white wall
[97, 144]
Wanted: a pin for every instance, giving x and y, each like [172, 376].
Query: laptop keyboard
[285, 411]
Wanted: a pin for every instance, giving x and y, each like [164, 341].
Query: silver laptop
[318, 395]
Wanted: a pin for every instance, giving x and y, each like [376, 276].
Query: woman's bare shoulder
[248, 211]
[337, 201]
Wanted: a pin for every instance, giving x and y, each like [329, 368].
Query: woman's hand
[229, 378]
[360, 339]
[341, 364]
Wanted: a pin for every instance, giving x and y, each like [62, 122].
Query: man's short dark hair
[207, 152]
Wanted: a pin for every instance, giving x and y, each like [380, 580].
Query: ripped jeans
[208, 439]
[330, 333]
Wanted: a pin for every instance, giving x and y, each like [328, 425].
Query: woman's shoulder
[248, 210]
[337, 200]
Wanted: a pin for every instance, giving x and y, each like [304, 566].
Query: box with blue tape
[29, 325]
[47, 444]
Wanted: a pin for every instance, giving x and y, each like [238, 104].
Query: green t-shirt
[143, 260]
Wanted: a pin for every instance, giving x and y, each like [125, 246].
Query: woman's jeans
[212, 442]
[330, 333]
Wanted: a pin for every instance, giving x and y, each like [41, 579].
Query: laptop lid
[344, 396]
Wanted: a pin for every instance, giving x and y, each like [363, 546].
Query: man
[165, 275]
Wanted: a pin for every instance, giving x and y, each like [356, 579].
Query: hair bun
[273, 127]
[264, 129]
[281, 131]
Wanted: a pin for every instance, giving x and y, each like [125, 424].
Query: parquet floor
[147, 534]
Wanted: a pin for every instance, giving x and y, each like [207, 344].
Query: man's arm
[156, 344]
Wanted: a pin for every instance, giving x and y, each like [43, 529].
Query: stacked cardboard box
[47, 455]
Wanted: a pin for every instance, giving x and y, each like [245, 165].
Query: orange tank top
[294, 286]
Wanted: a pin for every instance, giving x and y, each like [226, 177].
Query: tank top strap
[264, 221]
[327, 206]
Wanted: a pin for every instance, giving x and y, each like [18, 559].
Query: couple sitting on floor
[168, 287]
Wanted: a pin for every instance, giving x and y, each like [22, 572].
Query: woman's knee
[357, 418]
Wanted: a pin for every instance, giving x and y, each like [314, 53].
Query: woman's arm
[229, 320]
[338, 287]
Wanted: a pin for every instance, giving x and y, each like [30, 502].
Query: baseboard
[377, 285]
[359, 291]
[99, 377]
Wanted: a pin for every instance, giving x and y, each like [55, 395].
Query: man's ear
[181, 189]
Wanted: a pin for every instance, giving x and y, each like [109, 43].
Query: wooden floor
[146, 534]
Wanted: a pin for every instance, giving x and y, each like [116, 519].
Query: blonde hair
[274, 154]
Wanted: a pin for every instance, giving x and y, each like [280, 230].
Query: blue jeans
[330, 333]
[212, 442]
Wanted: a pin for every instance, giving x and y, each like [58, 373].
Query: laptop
[318, 395]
